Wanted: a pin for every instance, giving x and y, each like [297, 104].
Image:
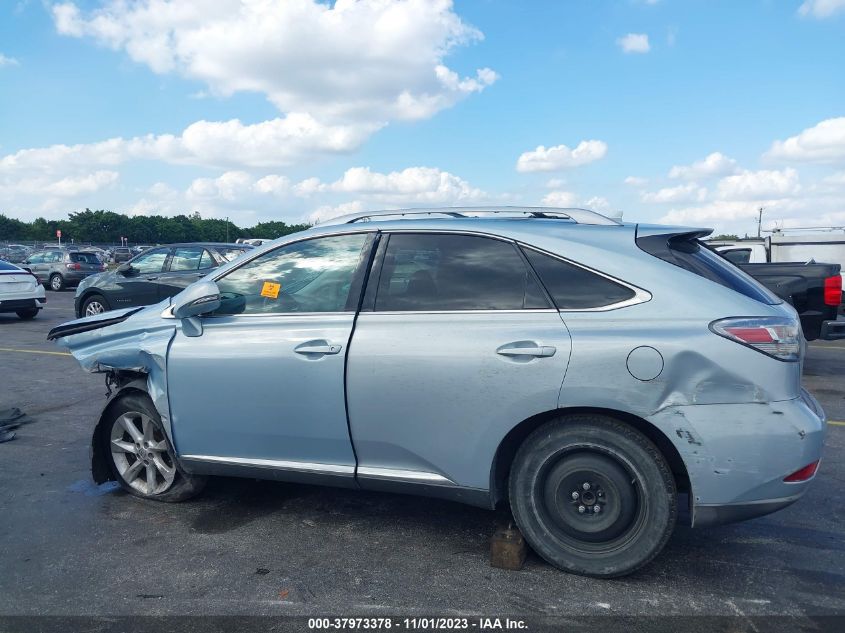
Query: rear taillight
[74, 266]
[803, 474]
[833, 290]
[778, 337]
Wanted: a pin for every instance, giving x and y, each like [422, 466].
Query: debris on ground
[11, 419]
[507, 548]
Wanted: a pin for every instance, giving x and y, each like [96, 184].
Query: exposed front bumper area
[738, 455]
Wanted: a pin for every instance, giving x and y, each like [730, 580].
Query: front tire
[593, 496]
[26, 315]
[140, 454]
[57, 282]
[93, 305]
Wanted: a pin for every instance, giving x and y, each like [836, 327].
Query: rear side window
[84, 258]
[686, 252]
[186, 258]
[738, 255]
[574, 288]
[438, 272]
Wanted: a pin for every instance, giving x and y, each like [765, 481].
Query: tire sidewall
[184, 484]
[61, 282]
[637, 454]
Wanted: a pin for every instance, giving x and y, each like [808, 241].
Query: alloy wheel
[141, 454]
[94, 307]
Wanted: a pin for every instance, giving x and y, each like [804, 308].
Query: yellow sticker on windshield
[270, 290]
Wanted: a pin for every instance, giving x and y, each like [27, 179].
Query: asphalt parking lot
[70, 548]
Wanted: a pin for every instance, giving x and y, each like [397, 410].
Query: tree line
[107, 227]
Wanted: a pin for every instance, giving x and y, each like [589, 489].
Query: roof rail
[577, 216]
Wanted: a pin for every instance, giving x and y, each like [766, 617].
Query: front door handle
[317, 348]
[526, 348]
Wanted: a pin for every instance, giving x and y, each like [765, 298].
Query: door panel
[263, 386]
[139, 287]
[241, 390]
[432, 393]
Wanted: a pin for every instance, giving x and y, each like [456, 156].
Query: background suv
[59, 268]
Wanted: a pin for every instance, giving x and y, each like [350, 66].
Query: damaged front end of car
[130, 347]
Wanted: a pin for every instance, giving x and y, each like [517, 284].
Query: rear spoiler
[660, 241]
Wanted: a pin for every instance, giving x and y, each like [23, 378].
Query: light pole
[759, 222]
[227, 229]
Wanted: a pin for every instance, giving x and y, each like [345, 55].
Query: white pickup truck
[804, 267]
[788, 245]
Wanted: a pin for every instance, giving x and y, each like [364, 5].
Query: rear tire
[140, 454]
[57, 282]
[26, 315]
[593, 496]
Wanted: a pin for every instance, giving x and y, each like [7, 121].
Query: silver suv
[591, 374]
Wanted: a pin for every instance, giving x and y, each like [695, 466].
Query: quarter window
[426, 272]
[574, 288]
[310, 276]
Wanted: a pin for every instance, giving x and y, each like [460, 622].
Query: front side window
[151, 261]
[310, 276]
[439, 272]
[574, 288]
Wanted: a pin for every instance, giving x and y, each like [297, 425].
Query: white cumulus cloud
[349, 60]
[278, 142]
[759, 185]
[682, 193]
[8, 61]
[634, 43]
[821, 8]
[561, 156]
[411, 185]
[822, 143]
[715, 164]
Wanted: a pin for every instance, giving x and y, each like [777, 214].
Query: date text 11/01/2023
[419, 624]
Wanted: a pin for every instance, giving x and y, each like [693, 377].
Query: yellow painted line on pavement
[33, 351]
[836, 423]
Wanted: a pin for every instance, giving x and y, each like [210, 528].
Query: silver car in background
[592, 374]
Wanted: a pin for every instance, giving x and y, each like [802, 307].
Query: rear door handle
[528, 348]
[317, 347]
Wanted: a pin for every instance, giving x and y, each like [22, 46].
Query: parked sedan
[60, 268]
[20, 291]
[593, 375]
[153, 275]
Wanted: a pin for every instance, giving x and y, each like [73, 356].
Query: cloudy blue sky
[680, 111]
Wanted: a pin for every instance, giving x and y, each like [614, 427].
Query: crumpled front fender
[125, 341]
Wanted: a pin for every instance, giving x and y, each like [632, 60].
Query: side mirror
[198, 298]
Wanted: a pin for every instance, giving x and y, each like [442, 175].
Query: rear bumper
[738, 455]
[832, 330]
[13, 305]
[709, 515]
[14, 301]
